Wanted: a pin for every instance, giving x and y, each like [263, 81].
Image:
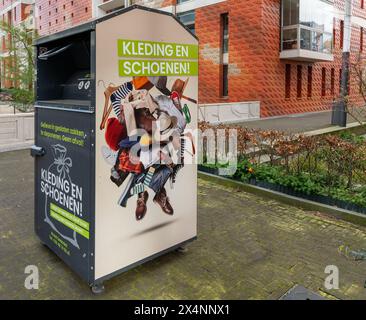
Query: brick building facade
[57, 15]
[12, 12]
[243, 62]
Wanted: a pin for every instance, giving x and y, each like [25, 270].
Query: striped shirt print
[139, 188]
[119, 95]
[149, 176]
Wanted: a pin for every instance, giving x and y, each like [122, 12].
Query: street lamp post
[339, 109]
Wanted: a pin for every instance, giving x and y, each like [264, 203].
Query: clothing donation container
[115, 121]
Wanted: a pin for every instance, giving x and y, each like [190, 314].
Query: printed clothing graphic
[146, 140]
[118, 95]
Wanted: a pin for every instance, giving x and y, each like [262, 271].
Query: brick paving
[248, 248]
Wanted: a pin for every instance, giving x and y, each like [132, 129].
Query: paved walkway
[248, 248]
[299, 122]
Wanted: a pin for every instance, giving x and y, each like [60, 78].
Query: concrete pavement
[248, 247]
[299, 122]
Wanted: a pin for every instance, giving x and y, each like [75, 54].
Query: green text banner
[161, 50]
[157, 68]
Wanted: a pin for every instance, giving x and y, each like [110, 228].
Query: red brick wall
[355, 96]
[255, 69]
[169, 3]
[18, 13]
[57, 15]
[272, 97]
[5, 3]
[208, 30]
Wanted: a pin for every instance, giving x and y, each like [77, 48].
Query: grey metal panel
[40, 105]
[36, 177]
[92, 158]
[93, 69]
[66, 33]
[64, 163]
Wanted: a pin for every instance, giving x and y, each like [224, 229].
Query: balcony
[108, 6]
[11, 5]
[29, 23]
[306, 31]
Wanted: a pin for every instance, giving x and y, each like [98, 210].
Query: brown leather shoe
[141, 207]
[163, 201]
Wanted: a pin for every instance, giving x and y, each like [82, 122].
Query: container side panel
[63, 216]
[143, 50]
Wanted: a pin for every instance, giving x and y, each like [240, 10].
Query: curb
[307, 205]
[354, 127]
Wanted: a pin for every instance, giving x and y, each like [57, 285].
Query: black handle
[37, 151]
[53, 52]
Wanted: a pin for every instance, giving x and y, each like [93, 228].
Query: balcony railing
[306, 30]
[304, 43]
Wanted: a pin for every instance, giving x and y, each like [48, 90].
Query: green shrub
[333, 165]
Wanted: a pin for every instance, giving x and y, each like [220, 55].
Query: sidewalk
[248, 247]
[304, 122]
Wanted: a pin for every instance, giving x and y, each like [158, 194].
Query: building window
[299, 81]
[225, 33]
[188, 19]
[324, 75]
[310, 81]
[361, 39]
[341, 34]
[225, 80]
[224, 53]
[307, 25]
[334, 34]
[288, 81]
[332, 81]
[290, 12]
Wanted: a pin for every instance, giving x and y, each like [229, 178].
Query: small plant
[333, 166]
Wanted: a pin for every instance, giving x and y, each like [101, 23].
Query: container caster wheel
[97, 288]
[181, 250]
